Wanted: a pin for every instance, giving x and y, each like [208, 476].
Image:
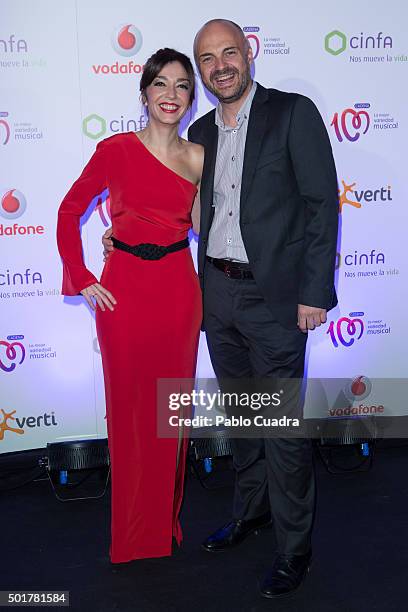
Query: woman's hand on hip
[102, 297]
[107, 243]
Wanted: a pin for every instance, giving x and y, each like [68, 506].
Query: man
[266, 259]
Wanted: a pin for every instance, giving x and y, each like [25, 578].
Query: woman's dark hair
[158, 60]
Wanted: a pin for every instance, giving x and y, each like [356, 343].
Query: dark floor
[360, 548]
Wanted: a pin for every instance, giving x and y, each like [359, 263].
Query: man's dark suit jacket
[289, 201]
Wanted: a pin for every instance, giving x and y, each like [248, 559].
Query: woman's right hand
[102, 297]
[107, 243]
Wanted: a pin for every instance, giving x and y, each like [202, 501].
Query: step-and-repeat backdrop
[69, 75]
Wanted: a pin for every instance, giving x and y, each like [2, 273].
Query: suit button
[204, 240]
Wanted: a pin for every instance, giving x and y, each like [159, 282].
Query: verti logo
[336, 42]
[351, 123]
[362, 195]
[12, 204]
[5, 128]
[346, 330]
[4, 425]
[47, 420]
[127, 40]
[12, 353]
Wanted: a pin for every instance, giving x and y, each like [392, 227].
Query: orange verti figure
[5, 427]
[343, 199]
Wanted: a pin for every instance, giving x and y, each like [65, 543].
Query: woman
[148, 311]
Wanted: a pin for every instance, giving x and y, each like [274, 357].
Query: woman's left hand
[101, 295]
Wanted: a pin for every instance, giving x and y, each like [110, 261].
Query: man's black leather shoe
[234, 533]
[286, 575]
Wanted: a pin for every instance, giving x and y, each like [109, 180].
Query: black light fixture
[206, 447]
[75, 455]
[358, 434]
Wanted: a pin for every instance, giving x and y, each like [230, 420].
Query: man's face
[224, 58]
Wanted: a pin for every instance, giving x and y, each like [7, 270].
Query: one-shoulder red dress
[152, 332]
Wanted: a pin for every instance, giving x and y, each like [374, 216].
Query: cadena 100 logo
[12, 204]
[5, 128]
[12, 353]
[346, 330]
[102, 207]
[127, 40]
[351, 123]
[253, 39]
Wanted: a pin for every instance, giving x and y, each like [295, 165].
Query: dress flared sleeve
[91, 182]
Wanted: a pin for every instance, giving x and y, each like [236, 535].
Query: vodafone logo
[127, 40]
[358, 388]
[12, 204]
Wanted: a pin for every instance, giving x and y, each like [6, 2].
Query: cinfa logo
[94, 126]
[127, 40]
[336, 42]
[13, 45]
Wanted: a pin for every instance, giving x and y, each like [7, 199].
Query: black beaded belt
[232, 269]
[148, 250]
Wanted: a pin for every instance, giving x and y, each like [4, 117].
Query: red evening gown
[152, 332]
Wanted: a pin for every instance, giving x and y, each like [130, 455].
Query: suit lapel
[256, 129]
[207, 182]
